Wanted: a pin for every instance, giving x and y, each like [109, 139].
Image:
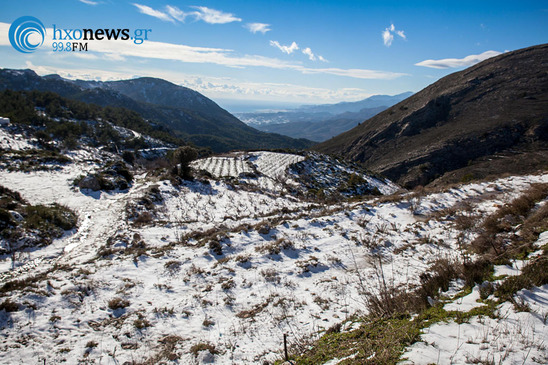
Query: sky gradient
[280, 51]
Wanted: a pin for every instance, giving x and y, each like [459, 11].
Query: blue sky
[280, 51]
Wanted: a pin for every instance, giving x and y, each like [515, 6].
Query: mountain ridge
[495, 106]
[323, 121]
[207, 125]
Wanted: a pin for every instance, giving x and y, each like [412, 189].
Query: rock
[90, 182]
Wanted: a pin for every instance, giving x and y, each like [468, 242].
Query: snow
[512, 338]
[542, 239]
[507, 270]
[12, 141]
[515, 338]
[464, 304]
[224, 166]
[272, 171]
[287, 267]
[274, 165]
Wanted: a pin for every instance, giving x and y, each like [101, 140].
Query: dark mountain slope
[187, 113]
[495, 109]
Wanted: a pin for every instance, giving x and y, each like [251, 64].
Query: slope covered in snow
[305, 174]
[211, 271]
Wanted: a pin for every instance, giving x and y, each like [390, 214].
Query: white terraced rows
[273, 164]
[270, 164]
[223, 166]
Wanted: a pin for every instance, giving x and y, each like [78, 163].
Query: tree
[182, 157]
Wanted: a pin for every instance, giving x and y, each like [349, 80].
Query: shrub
[274, 248]
[534, 274]
[44, 216]
[143, 218]
[128, 157]
[9, 306]
[183, 156]
[92, 344]
[203, 346]
[118, 303]
[141, 323]
[216, 247]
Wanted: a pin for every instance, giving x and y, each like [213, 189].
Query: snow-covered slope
[208, 272]
[274, 171]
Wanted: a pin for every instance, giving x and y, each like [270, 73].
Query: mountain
[186, 112]
[320, 122]
[321, 129]
[489, 119]
[374, 101]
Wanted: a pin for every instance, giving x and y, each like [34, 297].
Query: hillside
[187, 113]
[489, 119]
[217, 269]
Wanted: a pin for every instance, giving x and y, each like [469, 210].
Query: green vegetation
[24, 225]
[182, 158]
[93, 121]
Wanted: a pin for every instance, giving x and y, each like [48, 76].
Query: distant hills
[321, 122]
[189, 114]
[489, 119]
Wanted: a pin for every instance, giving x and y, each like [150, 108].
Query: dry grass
[274, 248]
[497, 240]
[118, 303]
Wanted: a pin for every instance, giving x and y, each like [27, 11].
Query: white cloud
[307, 51]
[114, 57]
[285, 49]
[86, 55]
[354, 73]
[213, 16]
[176, 13]
[89, 2]
[173, 13]
[458, 62]
[217, 87]
[311, 56]
[155, 13]
[388, 35]
[150, 50]
[258, 27]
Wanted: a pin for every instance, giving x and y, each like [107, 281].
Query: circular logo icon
[26, 34]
